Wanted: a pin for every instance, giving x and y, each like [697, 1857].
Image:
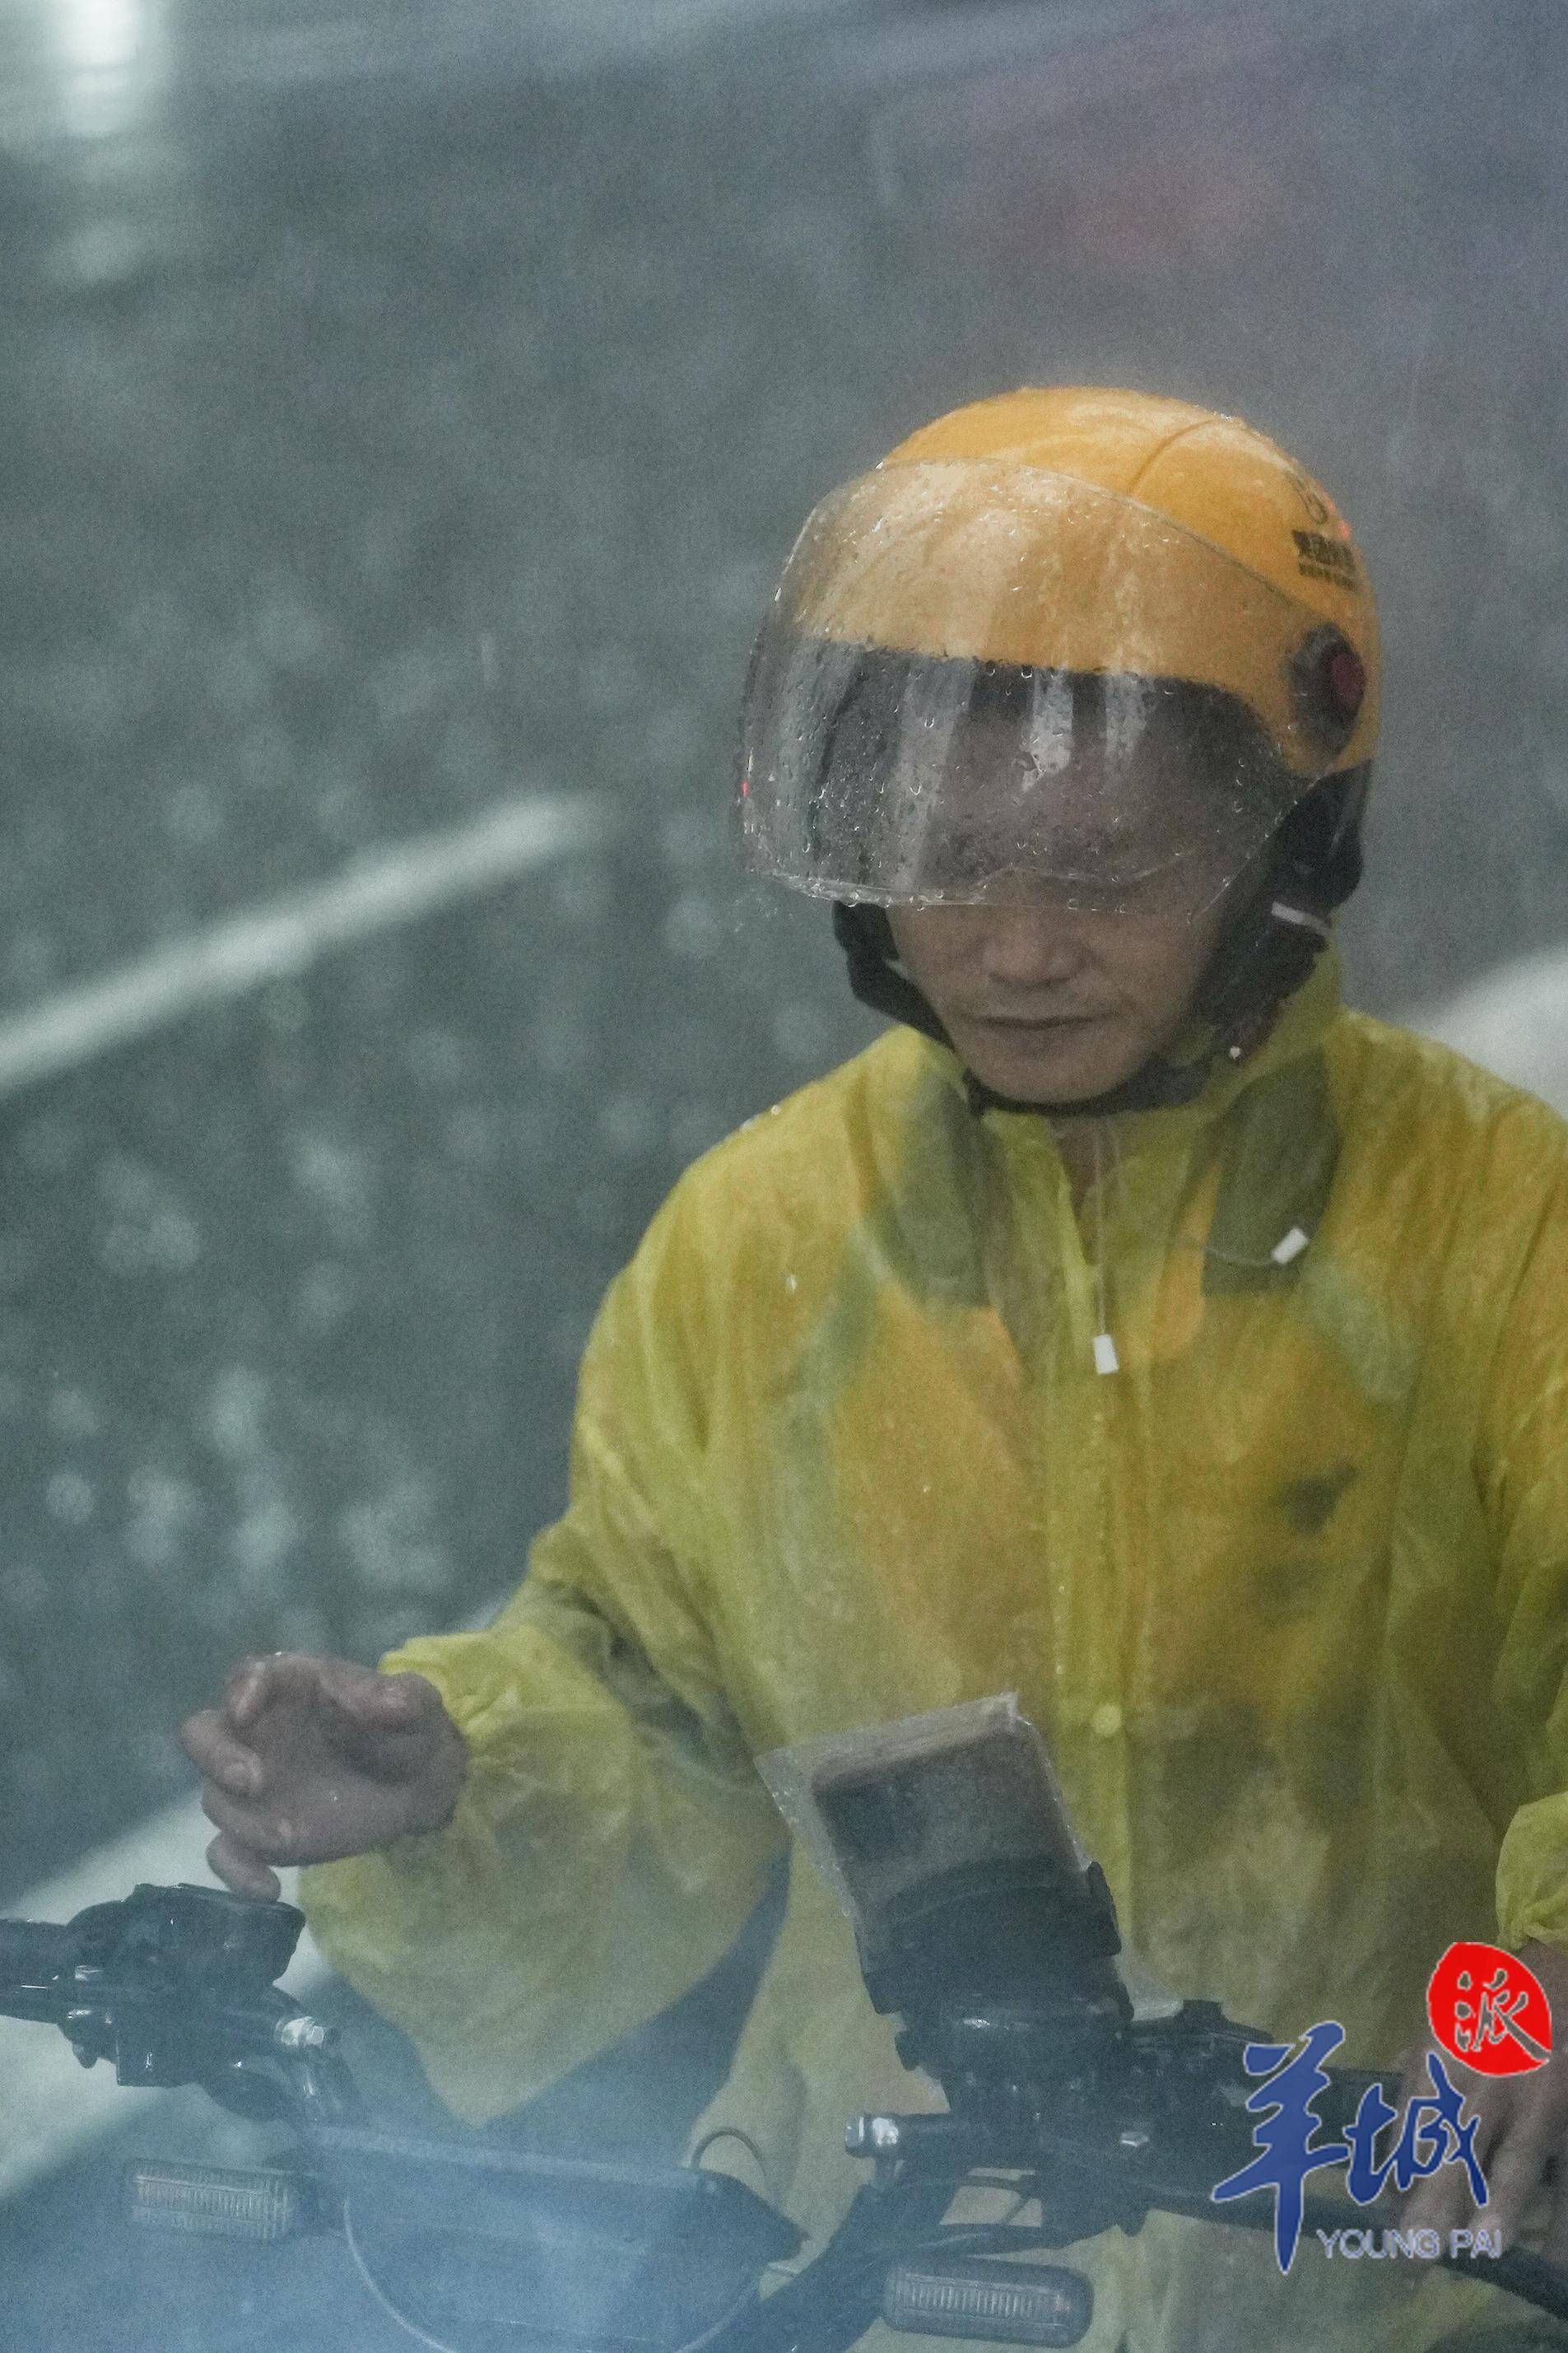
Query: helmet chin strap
[1263, 958]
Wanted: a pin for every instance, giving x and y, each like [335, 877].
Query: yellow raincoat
[1284, 1594]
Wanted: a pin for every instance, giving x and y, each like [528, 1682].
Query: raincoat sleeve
[612, 1837]
[1525, 1487]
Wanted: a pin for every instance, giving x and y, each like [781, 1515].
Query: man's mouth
[1032, 1021]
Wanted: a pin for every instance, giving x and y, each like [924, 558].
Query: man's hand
[1523, 2125]
[308, 1759]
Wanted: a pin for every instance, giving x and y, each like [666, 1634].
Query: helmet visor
[980, 685]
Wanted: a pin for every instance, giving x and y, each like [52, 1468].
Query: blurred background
[404, 409]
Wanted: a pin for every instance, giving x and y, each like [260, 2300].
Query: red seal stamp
[1490, 2011]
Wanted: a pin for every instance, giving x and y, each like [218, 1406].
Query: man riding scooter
[1132, 1327]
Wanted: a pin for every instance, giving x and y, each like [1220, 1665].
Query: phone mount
[979, 1919]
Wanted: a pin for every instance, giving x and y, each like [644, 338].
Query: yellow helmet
[1096, 641]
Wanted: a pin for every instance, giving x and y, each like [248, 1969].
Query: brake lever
[176, 1985]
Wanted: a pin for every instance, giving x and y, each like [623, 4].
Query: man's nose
[1030, 947]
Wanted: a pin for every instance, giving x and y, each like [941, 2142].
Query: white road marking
[1515, 1022]
[288, 934]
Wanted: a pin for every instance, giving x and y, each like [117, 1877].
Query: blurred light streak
[96, 36]
[109, 54]
[374, 893]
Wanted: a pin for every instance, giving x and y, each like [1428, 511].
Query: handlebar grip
[34, 1953]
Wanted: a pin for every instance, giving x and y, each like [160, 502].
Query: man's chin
[1055, 1075]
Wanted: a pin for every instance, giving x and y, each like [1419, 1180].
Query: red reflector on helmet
[1344, 681]
[1330, 686]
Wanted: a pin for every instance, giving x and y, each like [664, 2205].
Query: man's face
[1057, 992]
[1054, 1004]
